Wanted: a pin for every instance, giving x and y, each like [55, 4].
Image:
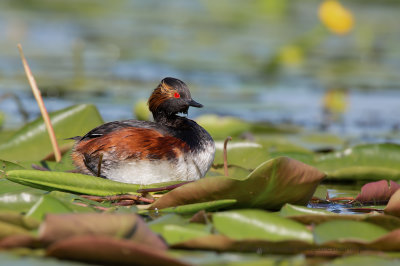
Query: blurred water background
[264, 60]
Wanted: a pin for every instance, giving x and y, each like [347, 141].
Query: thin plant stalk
[39, 100]
[226, 156]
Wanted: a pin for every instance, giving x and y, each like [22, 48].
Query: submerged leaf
[270, 186]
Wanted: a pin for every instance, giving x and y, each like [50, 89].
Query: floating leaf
[377, 192]
[222, 127]
[177, 233]
[47, 204]
[7, 166]
[223, 243]
[16, 218]
[141, 110]
[7, 229]
[158, 224]
[393, 206]
[370, 162]
[346, 230]
[127, 226]
[107, 250]
[258, 224]
[11, 259]
[31, 143]
[17, 197]
[387, 242]
[195, 207]
[72, 182]
[293, 210]
[18, 241]
[270, 186]
[248, 155]
[363, 259]
[251, 259]
[235, 172]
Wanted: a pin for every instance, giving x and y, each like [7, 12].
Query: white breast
[189, 167]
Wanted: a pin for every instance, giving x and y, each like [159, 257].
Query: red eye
[177, 95]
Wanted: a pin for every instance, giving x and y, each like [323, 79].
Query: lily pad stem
[226, 156]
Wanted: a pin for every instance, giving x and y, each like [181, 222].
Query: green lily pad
[222, 127]
[173, 233]
[195, 207]
[17, 197]
[248, 155]
[235, 172]
[158, 224]
[34, 260]
[47, 204]
[18, 219]
[197, 257]
[7, 166]
[270, 186]
[347, 230]
[141, 110]
[7, 229]
[31, 142]
[371, 162]
[363, 260]
[2, 118]
[258, 224]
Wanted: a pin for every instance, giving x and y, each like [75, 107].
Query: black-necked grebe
[172, 148]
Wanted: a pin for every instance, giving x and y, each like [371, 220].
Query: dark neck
[171, 120]
[185, 129]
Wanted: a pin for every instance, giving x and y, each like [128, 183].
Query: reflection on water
[265, 60]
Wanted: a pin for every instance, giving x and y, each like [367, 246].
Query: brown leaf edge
[393, 206]
[57, 227]
[108, 250]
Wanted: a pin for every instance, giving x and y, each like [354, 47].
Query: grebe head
[171, 96]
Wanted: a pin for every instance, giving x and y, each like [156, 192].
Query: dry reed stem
[39, 100]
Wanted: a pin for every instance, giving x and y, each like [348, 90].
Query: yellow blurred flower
[291, 55]
[335, 101]
[336, 17]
